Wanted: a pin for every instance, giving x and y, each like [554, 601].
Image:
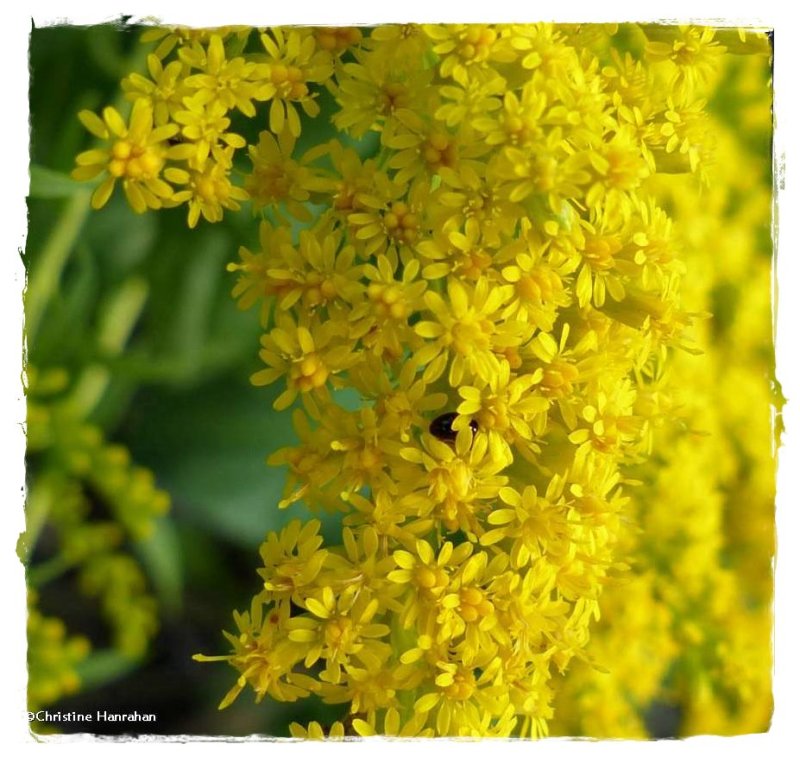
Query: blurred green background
[177, 397]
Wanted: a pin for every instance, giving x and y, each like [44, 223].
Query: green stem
[44, 279]
[48, 570]
[117, 322]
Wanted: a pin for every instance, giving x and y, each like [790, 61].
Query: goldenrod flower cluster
[86, 501]
[485, 258]
[692, 628]
[52, 658]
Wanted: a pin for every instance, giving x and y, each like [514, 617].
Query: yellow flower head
[294, 64]
[308, 358]
[135, 156]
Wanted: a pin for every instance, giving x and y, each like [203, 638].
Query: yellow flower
[292, 560]
[691, 50]
[136, 157]
[404, 400]
[172, 37]
[388, 219]
[393, 725]
[381, 321]
[254, 282]
[228, 82]
[537, 526]
[52, 658]
[465, 48]
[279, 180]
[467, 102]
[465, 700]
[118, 581]
[338, 630]
[427, 574]
[421, 150]
[318, 274]
[367, 561]
[469, 326]
[464, 254]
[311, 466]
[395, 519]
[548, 168]
[165, 89]
[208, 190]
[468, 194]
[351, 179]
[611, 425]
[621, 168]
[540, 276]
[359, 447]
[294, 64]
[560, 364]
[507, 409]
[375, 93]
[337, 39]
[684, 138]
[544, 48]
[600, 272]
[467, 613]
[398, 43]
[205, 126]
[315, 732]
[264, 657]
[519, 122]
[458, 482]
[307, 359]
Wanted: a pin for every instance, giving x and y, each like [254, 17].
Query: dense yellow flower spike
[697, 631]
[502, 252]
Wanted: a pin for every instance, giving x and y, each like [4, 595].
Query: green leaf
[162, 558]
[120, 240]
[208, 448]
[194, 301]
[49, 184]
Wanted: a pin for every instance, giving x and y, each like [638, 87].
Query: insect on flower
[442, 427]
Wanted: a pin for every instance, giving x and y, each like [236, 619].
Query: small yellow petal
[102, 193]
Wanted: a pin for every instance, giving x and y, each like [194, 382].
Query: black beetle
[442, 427]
